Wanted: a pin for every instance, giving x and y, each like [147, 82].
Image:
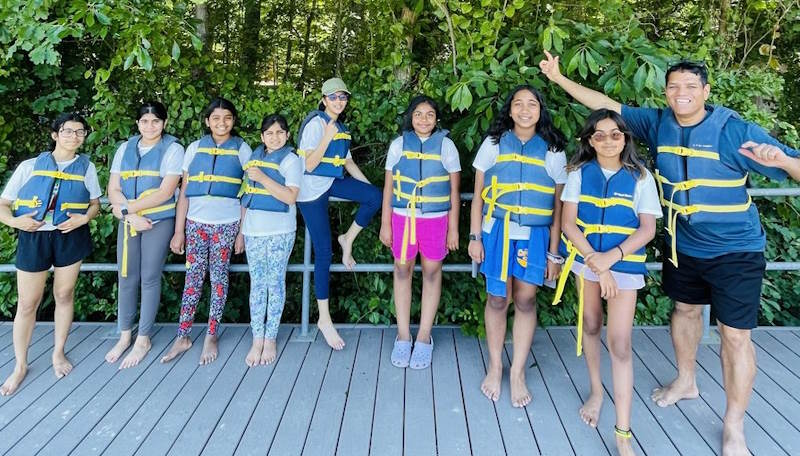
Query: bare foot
[137, 354]
[520, 396]
[181, 345]
[331, 335]
[210, 350]
[117, 350]
[590, 412]
[677, 390]
[254, 355]
[270, 352]
[491, 383]
[347, 251]
[13, 381]
[733, 441]
[61, 365]
[624, 446]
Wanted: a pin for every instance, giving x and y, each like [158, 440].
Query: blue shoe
[401, 353]
[421, 357]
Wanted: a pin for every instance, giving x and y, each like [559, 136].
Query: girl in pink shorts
[420, 214]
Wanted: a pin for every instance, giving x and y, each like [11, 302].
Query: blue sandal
[401, 353]
[421, 357]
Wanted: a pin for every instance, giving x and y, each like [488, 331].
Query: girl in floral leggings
[269, 223]
[207, 222]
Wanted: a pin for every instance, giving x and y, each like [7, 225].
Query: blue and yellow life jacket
[692, 181]
[335, 156]
[141, 175]
[71, 196]
[216, 170]
[517, 188]
[254, 195]
[420, 181]
[607, 217]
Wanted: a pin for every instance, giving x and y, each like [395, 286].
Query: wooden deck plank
[680, 422]
[185, 403]
[647, 430]
[41, 338]
[5, 333]
[779, 344]
[360, 406]
[774, 381]
[564, 343]
[484, 429]
[40, 376]
[452, 437]
[299, 410]
[515, 428]
[758, 440]
[102, 434]
[387, 424]
[233, 423]
[326, 421]
[99, 403]
[201, 424]
[419, 429]
[264, 421]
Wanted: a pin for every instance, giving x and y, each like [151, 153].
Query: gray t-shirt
[265, 223]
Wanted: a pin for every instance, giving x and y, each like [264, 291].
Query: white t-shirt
[555, 164]
[450, 161]
[313, 186]
[213, 210]
[645, 201]
[265, 223]
[23, 172]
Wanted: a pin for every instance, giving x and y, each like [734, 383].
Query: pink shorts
[431, 238]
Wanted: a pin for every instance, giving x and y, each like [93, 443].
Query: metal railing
[307, 267]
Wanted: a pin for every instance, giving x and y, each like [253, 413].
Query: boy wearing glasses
[703, 155]
[50, 200]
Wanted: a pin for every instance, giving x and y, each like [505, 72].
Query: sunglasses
[334, 97]
[599, 136]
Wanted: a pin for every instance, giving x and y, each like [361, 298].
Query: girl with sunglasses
[324, 149]
[609, 215]
[50, 200]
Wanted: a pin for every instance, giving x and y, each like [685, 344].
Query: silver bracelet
[556, 259]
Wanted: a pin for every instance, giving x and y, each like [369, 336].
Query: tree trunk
[290, 40]
[307, 41]
[724, 9]
[249, 41]
[338, 35]
[201, 14]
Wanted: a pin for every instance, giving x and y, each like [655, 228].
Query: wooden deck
[354, 402]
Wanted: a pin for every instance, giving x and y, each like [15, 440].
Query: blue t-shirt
[710, 240]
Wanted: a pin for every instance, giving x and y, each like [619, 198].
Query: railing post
[708, 338]
[306, 335]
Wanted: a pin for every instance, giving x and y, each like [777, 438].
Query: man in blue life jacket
[715, 252]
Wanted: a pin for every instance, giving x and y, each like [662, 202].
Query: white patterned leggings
[268, 258]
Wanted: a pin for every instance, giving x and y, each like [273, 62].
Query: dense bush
[103, 58]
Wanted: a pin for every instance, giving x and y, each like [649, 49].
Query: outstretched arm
[773, 156]
[592, 99]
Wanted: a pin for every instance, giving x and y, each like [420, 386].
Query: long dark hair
[544, 127]
[408, 115]
[222, 103]
[586, 153]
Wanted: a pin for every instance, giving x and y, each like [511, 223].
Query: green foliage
[104, 57]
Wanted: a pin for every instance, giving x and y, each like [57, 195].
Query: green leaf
[129, 61]
[640, 77]
[102, 18]
[547, 39]
[176, 51]
[593, 66]
[145, 43]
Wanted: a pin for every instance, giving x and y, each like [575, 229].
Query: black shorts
[731, 283]
[40, 250]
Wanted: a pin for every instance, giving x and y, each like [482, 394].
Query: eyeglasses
[599, 136]
[334, 97]
[67, 132]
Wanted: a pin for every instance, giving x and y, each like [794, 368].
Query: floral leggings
[208, 247]
[268, 258]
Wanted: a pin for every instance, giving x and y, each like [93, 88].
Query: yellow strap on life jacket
[606, 202]
[411, 155]
[261, 164]
[673, 209]
[410, 226]
[335, 161]
[32, 203]
[126, 227]
[338, 136]
[202, 177]
[520, 158]
[68, 206]
[138, 173]
[58, 175]
[216, 151]
[247, 188]
[153, 210]
[688, 152]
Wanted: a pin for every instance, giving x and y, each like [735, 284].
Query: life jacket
[216, 170]
[517, 188]
[335, 156]
[141, 175]
[254, 195]
[71, 196]
[606, 217]
[692, 181]
[420, 181]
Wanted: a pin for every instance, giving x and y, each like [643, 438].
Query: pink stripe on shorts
[431, 238]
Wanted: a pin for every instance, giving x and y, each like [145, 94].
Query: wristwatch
[124, 211]
[474, 237]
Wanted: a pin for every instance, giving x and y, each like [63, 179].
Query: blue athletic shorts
[39, 250]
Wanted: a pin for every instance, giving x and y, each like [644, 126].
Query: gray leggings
[147, 252]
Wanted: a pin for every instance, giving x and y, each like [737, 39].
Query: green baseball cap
[334, 85]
